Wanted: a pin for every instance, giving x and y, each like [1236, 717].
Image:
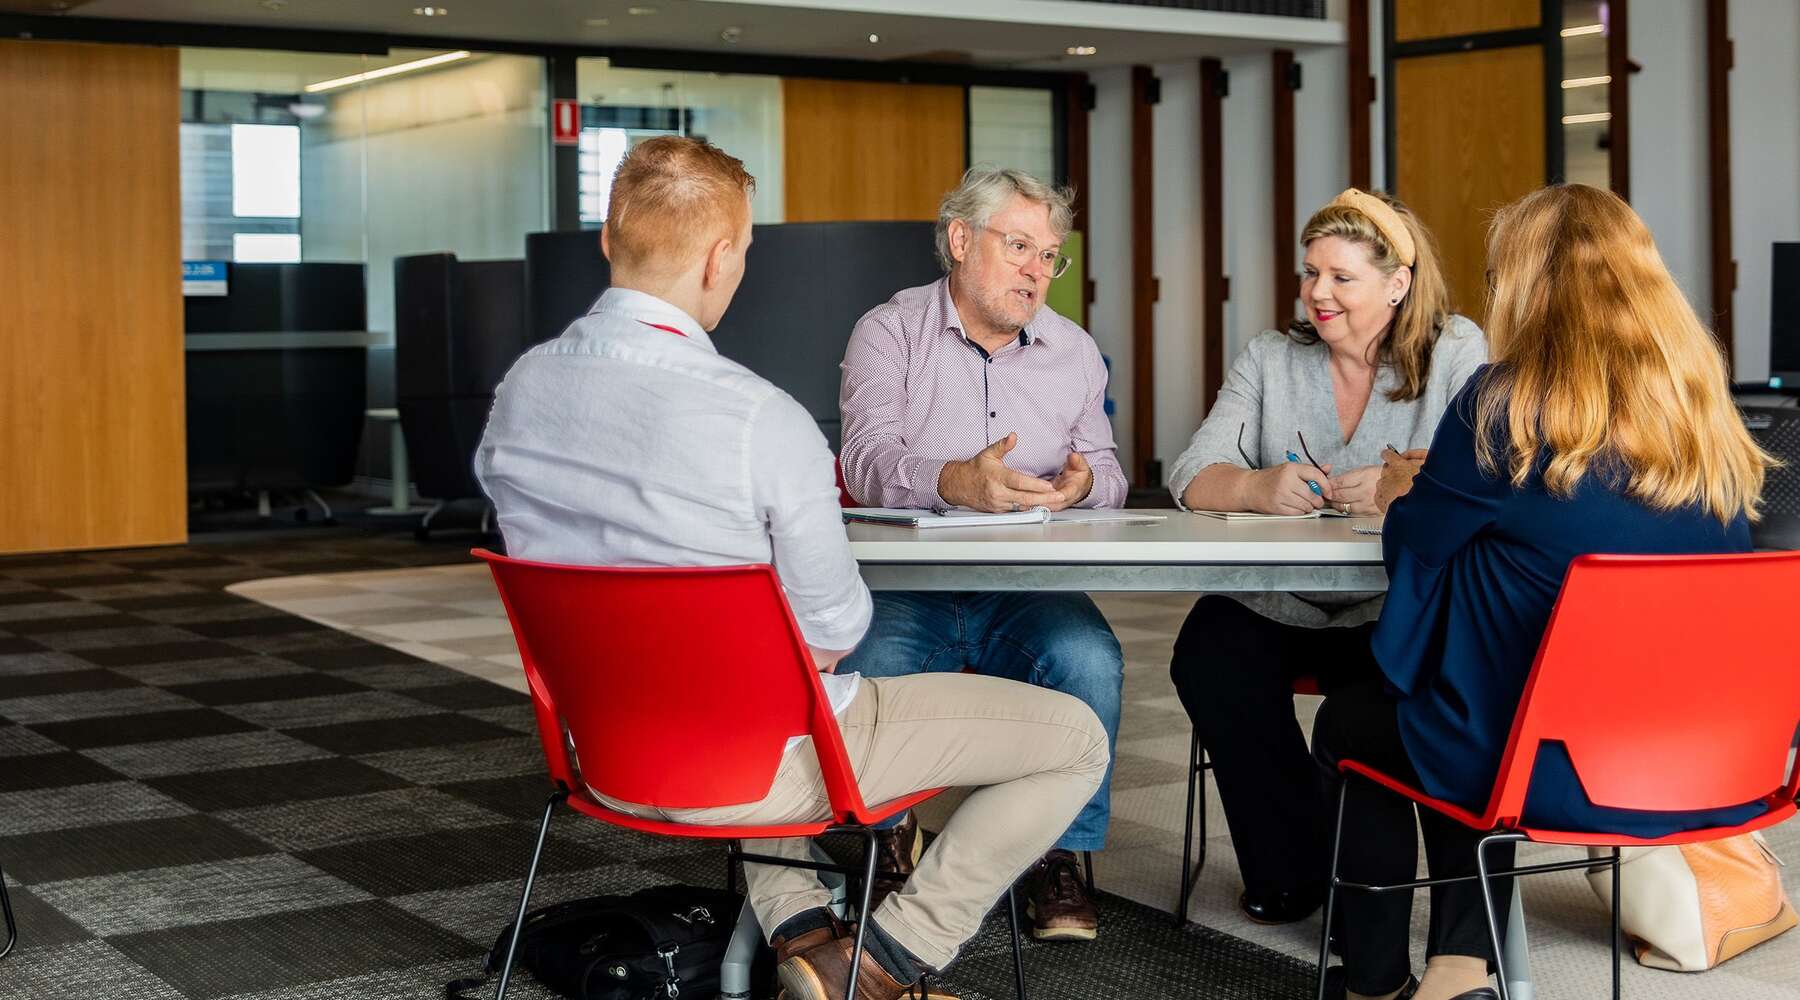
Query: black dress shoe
[1279, 907]
[1483, 993]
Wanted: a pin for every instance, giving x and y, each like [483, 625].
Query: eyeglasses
[1253, 466]
[1018, 249]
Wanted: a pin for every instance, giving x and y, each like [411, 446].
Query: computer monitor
[1784, 316]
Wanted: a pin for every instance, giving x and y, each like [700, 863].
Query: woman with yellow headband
[1369, 368]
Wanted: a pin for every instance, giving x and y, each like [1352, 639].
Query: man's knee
[1084, 659]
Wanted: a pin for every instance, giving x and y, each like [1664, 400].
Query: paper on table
[1247, 515]
[975, 519]
[911, 518]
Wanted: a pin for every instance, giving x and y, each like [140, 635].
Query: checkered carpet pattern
[205, 797]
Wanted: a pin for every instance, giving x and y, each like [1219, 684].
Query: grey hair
[985, 189]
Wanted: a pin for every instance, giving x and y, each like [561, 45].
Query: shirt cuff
[925, 484]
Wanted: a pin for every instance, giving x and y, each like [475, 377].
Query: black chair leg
[537, 854]
[1619, 937]
[12, 929]
[1087, 863]
[1495, 938]
[1191, 868]
[1331, 888]
[862, 910]
[1012, 920]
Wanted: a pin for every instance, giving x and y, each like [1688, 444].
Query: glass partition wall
[296, 157]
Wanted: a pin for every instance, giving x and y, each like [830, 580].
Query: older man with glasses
[968, 393]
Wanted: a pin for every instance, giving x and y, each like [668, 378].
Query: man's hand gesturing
[985, 483]
[1073, 481]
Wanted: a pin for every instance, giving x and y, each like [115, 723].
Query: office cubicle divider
[458, 327]
[805, 286]
[276, 383]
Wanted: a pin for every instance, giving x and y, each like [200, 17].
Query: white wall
[1669, 163]
[1765, 162]
[1108, 228]
[1179, 257]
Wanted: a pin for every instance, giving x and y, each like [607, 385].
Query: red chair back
[844, 497]
[1673, 681]
[678, 686]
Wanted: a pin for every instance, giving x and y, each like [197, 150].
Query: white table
[398, 472]
[1184, 552]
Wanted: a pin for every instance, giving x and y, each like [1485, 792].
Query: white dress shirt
[629, 441]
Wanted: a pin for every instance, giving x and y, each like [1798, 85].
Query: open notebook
[1245, 515]
[911, 518]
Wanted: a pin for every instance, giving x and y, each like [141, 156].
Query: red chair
[844, 497]
[1674, 687]
[679, 688]
[1198, 765]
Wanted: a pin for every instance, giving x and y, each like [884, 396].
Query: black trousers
[1235, 671]
[1358, 722]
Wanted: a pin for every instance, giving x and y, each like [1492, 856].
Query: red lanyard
[659, 326]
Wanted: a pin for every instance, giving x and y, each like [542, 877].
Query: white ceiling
[994, 33]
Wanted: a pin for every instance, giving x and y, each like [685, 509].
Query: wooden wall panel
[92, 441]
[1420, 19]
[870, 151]
[1455, 168]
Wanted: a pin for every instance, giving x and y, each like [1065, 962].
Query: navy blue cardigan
[1474, 567]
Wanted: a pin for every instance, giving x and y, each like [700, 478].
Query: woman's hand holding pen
[1287, 489]
[1397, 471]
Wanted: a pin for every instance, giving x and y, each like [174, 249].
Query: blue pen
[1310, 484]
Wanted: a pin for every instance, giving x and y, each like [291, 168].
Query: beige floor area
[450, 615]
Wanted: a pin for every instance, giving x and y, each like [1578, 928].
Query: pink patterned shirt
[917, 393]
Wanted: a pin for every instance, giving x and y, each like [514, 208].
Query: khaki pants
[1034, 756]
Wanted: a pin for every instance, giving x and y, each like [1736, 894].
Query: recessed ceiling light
[640, 11]
[598, 22]
[430, 11]
[730, 36]
[1081, 50]
[874, 39]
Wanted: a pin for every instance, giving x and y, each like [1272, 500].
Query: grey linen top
[1278, 388]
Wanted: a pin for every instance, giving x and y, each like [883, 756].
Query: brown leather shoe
[897, 853]
[823, 973]
[786, 948]
[1056, 899]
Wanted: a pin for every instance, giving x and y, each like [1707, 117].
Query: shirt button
[992, 413]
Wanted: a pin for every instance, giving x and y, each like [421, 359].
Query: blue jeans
[1058, 641]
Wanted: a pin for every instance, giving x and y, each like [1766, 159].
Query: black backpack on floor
[659, 943]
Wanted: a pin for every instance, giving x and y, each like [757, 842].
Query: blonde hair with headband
[1394, 238]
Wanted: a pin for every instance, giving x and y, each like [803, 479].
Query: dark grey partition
[275, 383]
[1777, 429]
[805, 286]
[458, 327]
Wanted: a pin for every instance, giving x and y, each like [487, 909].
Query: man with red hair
[630, 441]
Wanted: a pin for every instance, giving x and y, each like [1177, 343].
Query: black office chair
[1777, 429]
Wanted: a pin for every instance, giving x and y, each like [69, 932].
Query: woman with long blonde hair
[1604, 423]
